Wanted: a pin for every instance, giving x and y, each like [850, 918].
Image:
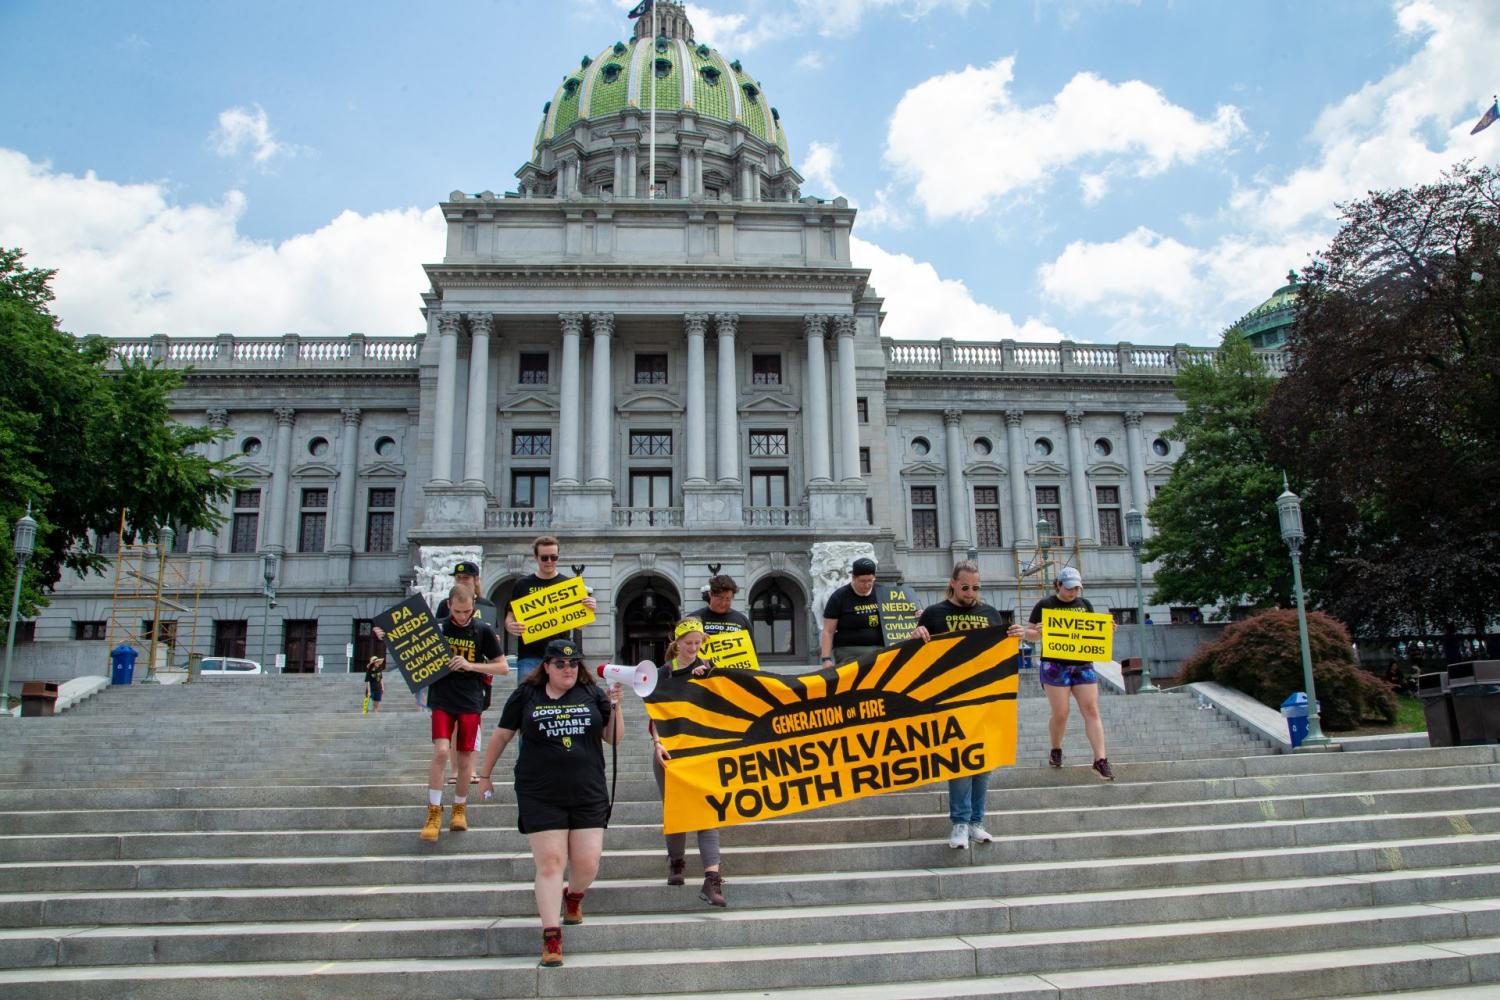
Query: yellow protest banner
[730, 651]
[554, 609]
[747, 746]
[1076, 635]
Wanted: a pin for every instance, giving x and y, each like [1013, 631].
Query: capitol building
[677, 372]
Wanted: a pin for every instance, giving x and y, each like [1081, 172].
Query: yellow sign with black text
[748, 746]
[1077, 635]
[730, 651]
[554, 609]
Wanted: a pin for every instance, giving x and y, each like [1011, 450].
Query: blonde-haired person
[683, 661]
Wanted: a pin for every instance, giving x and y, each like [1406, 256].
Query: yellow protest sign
[730, 651]
[1076, 635]
[554, 609]
[747, 746]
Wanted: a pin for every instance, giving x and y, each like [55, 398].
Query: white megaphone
[641, 677]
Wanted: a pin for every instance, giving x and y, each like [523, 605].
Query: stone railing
[949, 355]
[646, 517]
[287, 351]
[776, 517]
[518, 517]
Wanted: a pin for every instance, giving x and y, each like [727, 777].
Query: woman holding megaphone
[683, 661]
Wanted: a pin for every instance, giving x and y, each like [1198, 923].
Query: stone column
[341, 538]
[206, 542]
[274, 539]
[728, 400]
[816, 419]
[442, 417]
[848, 422]
[1015, 447]
[1078, 484]
[477, 426]
[1137, 459]
[601, 400]
[958, 495]
[696, 423]
[569, 400]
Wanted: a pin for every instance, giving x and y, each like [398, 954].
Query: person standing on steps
[375, 682]
[547, 551]
[456, 699]
[683, 661]
[1060, 676]
[962, 611]
[851, 617]
[562, 796]
[719, 615]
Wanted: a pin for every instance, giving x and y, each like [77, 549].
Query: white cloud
[834, 17]
[1093, 187]
[731, 33]
[1112, 277]
[811, 60]
[131, 263]
[817, 169]
[921, 305]
[965, 144]
[247, 130]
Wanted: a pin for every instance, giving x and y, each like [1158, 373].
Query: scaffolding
[148, 579]
[1035, 575]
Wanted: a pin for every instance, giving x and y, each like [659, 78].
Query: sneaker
[675, 868]
[979, 835]
[434, 823]
[712, 892]
[459, 821]
[551, 947]
[572, 907]
[959, 838]
[1055, 757]
[1105, 771]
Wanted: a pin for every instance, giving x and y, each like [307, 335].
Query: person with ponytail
[683, 661]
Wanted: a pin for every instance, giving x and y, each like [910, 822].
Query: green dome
[1269, 324]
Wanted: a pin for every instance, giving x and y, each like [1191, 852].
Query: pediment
[766, 403]
[923, 469]
[1108, 469]
[385, 469]
[315, 469]
[252, 469]
[527, 402]
[986, 469]
[649, 402]
[1046, 469]
[1163, 469]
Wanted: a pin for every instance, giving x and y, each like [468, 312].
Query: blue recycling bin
[122, 664]
[1294, 711]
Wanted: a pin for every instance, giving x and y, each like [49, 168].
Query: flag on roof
[640, 10]
[1490, 116]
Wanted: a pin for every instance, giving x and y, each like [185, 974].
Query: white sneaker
[979, 835]
[959, 838]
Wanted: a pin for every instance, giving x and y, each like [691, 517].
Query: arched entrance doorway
[500, 596]
[778, 621]
[648, 606]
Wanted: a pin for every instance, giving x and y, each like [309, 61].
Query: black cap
[466, 568]
[561, 649]
[863, 567]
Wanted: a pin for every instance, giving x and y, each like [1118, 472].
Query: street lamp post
[1289, 511]
[1135, 535]
[23, 546]
[268, 572]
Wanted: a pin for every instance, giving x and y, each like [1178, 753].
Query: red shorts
[444, 723]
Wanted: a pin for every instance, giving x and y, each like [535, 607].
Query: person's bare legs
[463, 774]
[440, 750]
[1088, 706]
[585, 847]
[549, 850]
[1057, 724]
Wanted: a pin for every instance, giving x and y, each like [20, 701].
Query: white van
[226, 666]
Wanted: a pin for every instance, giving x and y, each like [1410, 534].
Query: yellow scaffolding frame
[148, 579]
[1037, 573]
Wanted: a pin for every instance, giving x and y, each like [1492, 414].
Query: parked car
[228, 666]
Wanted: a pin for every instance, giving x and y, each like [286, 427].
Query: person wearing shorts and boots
[1060, 677]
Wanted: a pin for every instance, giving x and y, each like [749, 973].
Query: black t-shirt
[1051, 602]
[715, 623]
[523, 587]
[945, 616]
[561, 753]
[462, 692]
[858, 617]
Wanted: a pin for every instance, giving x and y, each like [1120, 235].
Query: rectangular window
[987, 517]
[768, 488]
[864, 461]
[229, 638]
[301, 646]
[531, 444]
[380, 521]
[650, 492]
[1108, 498]
[168, 631]
[768, 444]
[1123, 616]
[765, 369]
[924, 517]
[109, 544]
[650, 369]
[90, 630]
[862, 405]
[532, 490]
[1049, 508]
[314, 526]
[648, 444]
[869, 510]
[1185, 616]
[246, 524]
[180, 538]
[532, 369]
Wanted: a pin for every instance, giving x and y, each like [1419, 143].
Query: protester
[851, 617]
[562, 798]
[683, 661]
[961, 611]
[456, 699]
[466, 574]
[718, 615]
[375, 682]
[547, 551]
[1059, 676]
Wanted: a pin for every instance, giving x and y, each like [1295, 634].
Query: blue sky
[1096, 170]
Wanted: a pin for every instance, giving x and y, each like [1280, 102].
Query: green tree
[81, 442]
[1216, 540]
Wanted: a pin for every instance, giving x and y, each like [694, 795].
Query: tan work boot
[459, 821]
[434, 823]
[572, 907]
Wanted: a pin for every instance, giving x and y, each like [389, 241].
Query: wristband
[827, 659]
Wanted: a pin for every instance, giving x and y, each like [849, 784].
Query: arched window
[771, 622]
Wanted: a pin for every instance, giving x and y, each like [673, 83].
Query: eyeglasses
[565, 664]
[546, 558]
[968, 589]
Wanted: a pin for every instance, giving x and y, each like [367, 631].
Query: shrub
[1262, 657]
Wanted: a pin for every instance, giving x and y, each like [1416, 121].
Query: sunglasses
[565, 664]
[968, 589]
[546, 558]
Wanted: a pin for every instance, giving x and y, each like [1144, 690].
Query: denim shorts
[1067, 674]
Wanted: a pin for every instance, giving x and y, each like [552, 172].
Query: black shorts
[540, 815]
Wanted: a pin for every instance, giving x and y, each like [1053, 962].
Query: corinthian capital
[815, 324]
[1015, 418]
[696, 324]
[728, 323]
[1073, 417]
[572, 323]
[843, 326]
[483, 324]
[952, 417]
[1133, 418]
[218, 418]
[284, 416]
[603, 324]
[448, 324]
[352, 415]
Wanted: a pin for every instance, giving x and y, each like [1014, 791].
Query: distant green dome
[1269, 324]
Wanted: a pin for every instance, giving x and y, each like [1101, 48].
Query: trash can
[1294, 711]
[1026, 661]
[38, 698]
[122, 664]
[1130, 673]
[1475, 690]
[1437, 703]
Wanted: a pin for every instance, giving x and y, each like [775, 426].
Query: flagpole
[651, 66]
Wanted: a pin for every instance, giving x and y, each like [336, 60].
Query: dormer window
[570, 87]
[663, 68]
[710, 75]
[611, 72]
[619, 48]
[585, 62]
[750, 90]
[703, 51]
[661, 43]
[736, 66]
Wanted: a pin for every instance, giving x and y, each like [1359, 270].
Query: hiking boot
[979, 835]
[434, 823]
[1055, 757]
[459, 821]
[959, 838]
[572, 907]
[675, 867]
[551, 947]
[712, 892]
[1105, 771]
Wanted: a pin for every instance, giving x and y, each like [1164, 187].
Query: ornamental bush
[1262, 657]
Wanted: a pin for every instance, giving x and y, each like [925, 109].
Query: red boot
[551, 947]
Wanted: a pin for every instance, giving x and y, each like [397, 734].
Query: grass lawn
[1410, 718]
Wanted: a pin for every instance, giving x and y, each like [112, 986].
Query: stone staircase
[257, 838]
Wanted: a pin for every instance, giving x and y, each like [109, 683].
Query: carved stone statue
[435, 571]
[830, 571]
